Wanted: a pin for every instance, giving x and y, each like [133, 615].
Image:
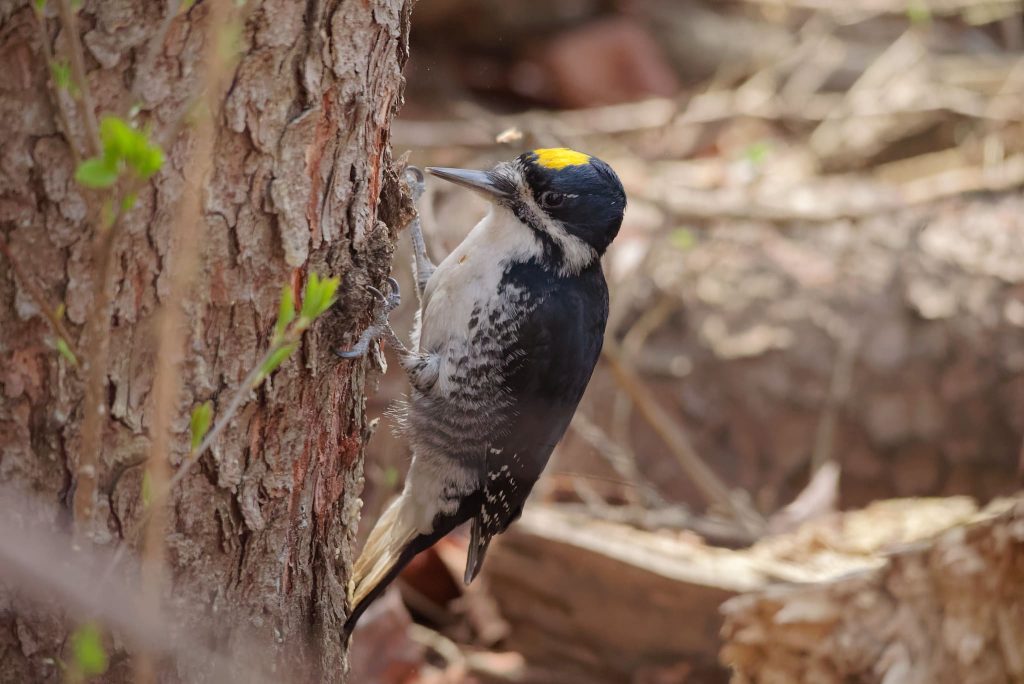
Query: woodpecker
[508, 332]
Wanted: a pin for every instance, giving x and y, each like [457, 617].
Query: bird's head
[572, 202]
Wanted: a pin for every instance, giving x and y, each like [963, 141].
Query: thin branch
[224, 418]
[171, 331]
[39, 298]
[38, 563]
[718, 531]
[243, 393]
[711, 487]
[155, 45]
[96, 341]
[621, 459]
[69, 20]
[838, 392]
[55, 93]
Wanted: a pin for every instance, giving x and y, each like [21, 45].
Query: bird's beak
[477, 181]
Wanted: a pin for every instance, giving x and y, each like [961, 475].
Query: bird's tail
[385, 554]
[394, 541]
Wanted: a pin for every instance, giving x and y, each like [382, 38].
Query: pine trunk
[260, 534]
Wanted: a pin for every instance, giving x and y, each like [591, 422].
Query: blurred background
[815, 356]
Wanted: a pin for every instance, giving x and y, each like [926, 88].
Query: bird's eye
[552, 199]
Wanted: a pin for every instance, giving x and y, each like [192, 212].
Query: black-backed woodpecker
[509, 329]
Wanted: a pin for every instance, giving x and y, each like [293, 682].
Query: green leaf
[199, 425]
[275, 360]
[129, 201]
[96, 173]
[61, 73]
[329, 288]
[121, 142]
[285, 312]
[318, 297]
[147, 490]
[65, 351]
[146, 159]
[40, 6]
[87, 648]
[310, 294]
[117, 137]
[391, 476]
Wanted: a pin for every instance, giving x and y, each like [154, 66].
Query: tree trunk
[260, 534]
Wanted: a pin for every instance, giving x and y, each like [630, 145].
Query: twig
[69, 19]
[816, 499]
[39, 297]
[715, 530]
[621, 459]
[160, 495]
[156, 44]
[650, 320]
[712, 488]
[55, 93]
[96, 341]
[170, 327]
[440, 644]
[838, 391]
[225, 417]
[36, 562]
[97, 329]
[1008, 175]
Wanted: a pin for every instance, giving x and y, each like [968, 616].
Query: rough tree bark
[261, 533]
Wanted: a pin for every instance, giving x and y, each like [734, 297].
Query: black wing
[557, 346]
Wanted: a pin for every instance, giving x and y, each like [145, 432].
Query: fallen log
[948, 610]
[604, 602]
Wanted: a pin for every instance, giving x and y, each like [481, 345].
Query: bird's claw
[390, 298]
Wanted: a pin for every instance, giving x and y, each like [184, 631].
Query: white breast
[469, 276]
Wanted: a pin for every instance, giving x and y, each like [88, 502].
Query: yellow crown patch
[560, 157]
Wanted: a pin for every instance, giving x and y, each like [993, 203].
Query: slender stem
[69, 19]
[224, 418]
[171, 327]
[155, 45]
[97, 349]
[244, 392]
[55, 92]
[713, 489]
[37, 295]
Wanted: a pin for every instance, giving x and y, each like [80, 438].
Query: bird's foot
[423, 267]
[381, 327]
[416, 181]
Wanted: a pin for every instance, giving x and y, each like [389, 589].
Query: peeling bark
[261, 534]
